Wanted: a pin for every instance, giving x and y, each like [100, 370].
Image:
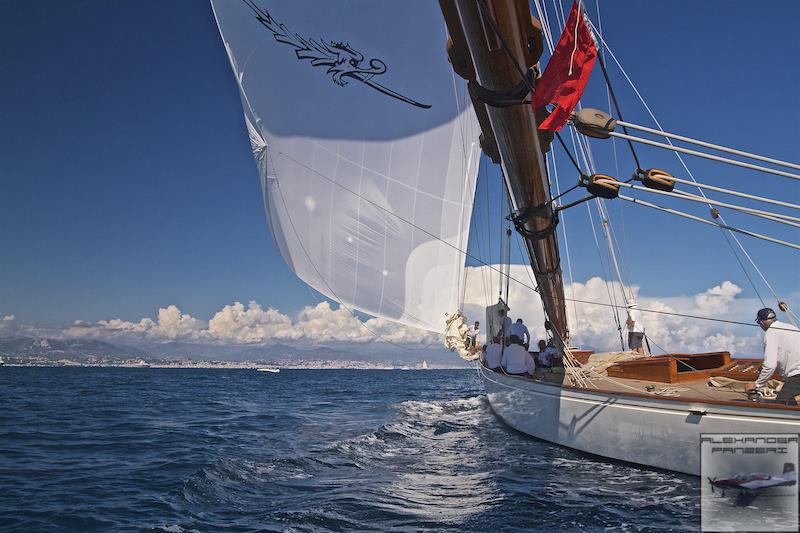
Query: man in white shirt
[546, 353]
[472, 334]
[517, 360]
[781, 354]
[518, 334]
[635, 328]
[491, 355]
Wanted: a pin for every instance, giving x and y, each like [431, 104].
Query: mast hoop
[514, 96]
[521, 216]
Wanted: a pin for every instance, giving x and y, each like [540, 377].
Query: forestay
[367, 148]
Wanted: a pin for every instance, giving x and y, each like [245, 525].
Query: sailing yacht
[368, 138]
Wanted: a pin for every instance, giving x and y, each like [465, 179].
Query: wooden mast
[478, 55]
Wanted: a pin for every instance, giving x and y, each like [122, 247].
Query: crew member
[491, 355]
[635, 328]
[517, 360]
[546, 353]
[781, 354]
[472, 334]
[518, 334]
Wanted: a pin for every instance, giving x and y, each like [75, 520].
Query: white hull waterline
[656, 432]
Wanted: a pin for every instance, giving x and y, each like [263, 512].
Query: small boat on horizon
[273, 370]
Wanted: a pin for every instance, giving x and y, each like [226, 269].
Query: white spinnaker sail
[367, 148]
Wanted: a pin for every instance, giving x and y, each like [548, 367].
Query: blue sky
[128, 185]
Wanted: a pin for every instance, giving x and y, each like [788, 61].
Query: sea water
[303, 450]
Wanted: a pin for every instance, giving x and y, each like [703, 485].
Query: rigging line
[739, 260]
[775, 217]
[682, 195]
[564, 231]
[508, 240]
[545, 21]
[476, 236]
[502, 239]
[577, 142]
[622, 250]
[494, 268]
[487, 16]
[791, 315]
[704, 155]
[708, 222]
[571, 157]
[704, 144]
[734, 193]
[606, 275]
[612, 247]
[565, 192]
[616, 106]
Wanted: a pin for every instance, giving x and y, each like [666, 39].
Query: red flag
[567, 72]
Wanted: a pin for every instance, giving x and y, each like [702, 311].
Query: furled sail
[366, 144]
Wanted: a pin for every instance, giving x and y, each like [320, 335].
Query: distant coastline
[244, 365]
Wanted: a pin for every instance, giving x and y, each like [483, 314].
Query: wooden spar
[477, 54]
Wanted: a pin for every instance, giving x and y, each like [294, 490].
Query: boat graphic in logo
[341, 59]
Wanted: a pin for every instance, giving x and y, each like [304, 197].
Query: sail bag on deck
[366, 143]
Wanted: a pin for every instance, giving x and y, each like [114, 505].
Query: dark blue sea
[92, 449]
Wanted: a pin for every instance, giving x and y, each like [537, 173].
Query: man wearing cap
[781, 354]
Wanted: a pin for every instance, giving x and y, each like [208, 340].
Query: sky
[129, 193]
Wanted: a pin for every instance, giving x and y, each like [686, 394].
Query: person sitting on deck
[546, 354]
[781, 354]
[516, 360]
[491, 355]
[518, 334]
[472, 335]
[635, 328]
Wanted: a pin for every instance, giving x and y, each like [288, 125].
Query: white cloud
[237, 324]
[171, 325]
[716, 300]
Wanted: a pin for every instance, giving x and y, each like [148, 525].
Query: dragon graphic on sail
[342, 60]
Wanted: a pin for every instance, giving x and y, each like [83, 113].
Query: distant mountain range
[65, 349]
[83, 350]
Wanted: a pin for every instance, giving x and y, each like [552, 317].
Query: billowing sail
[367, 147]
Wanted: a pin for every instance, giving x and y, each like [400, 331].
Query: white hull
[654, 432]
[272, 370]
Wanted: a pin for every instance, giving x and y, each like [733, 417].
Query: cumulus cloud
[717, 299]
[239, 325]
[171, 324]
[252, 324]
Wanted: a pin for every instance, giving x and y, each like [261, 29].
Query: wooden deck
[691, 387]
